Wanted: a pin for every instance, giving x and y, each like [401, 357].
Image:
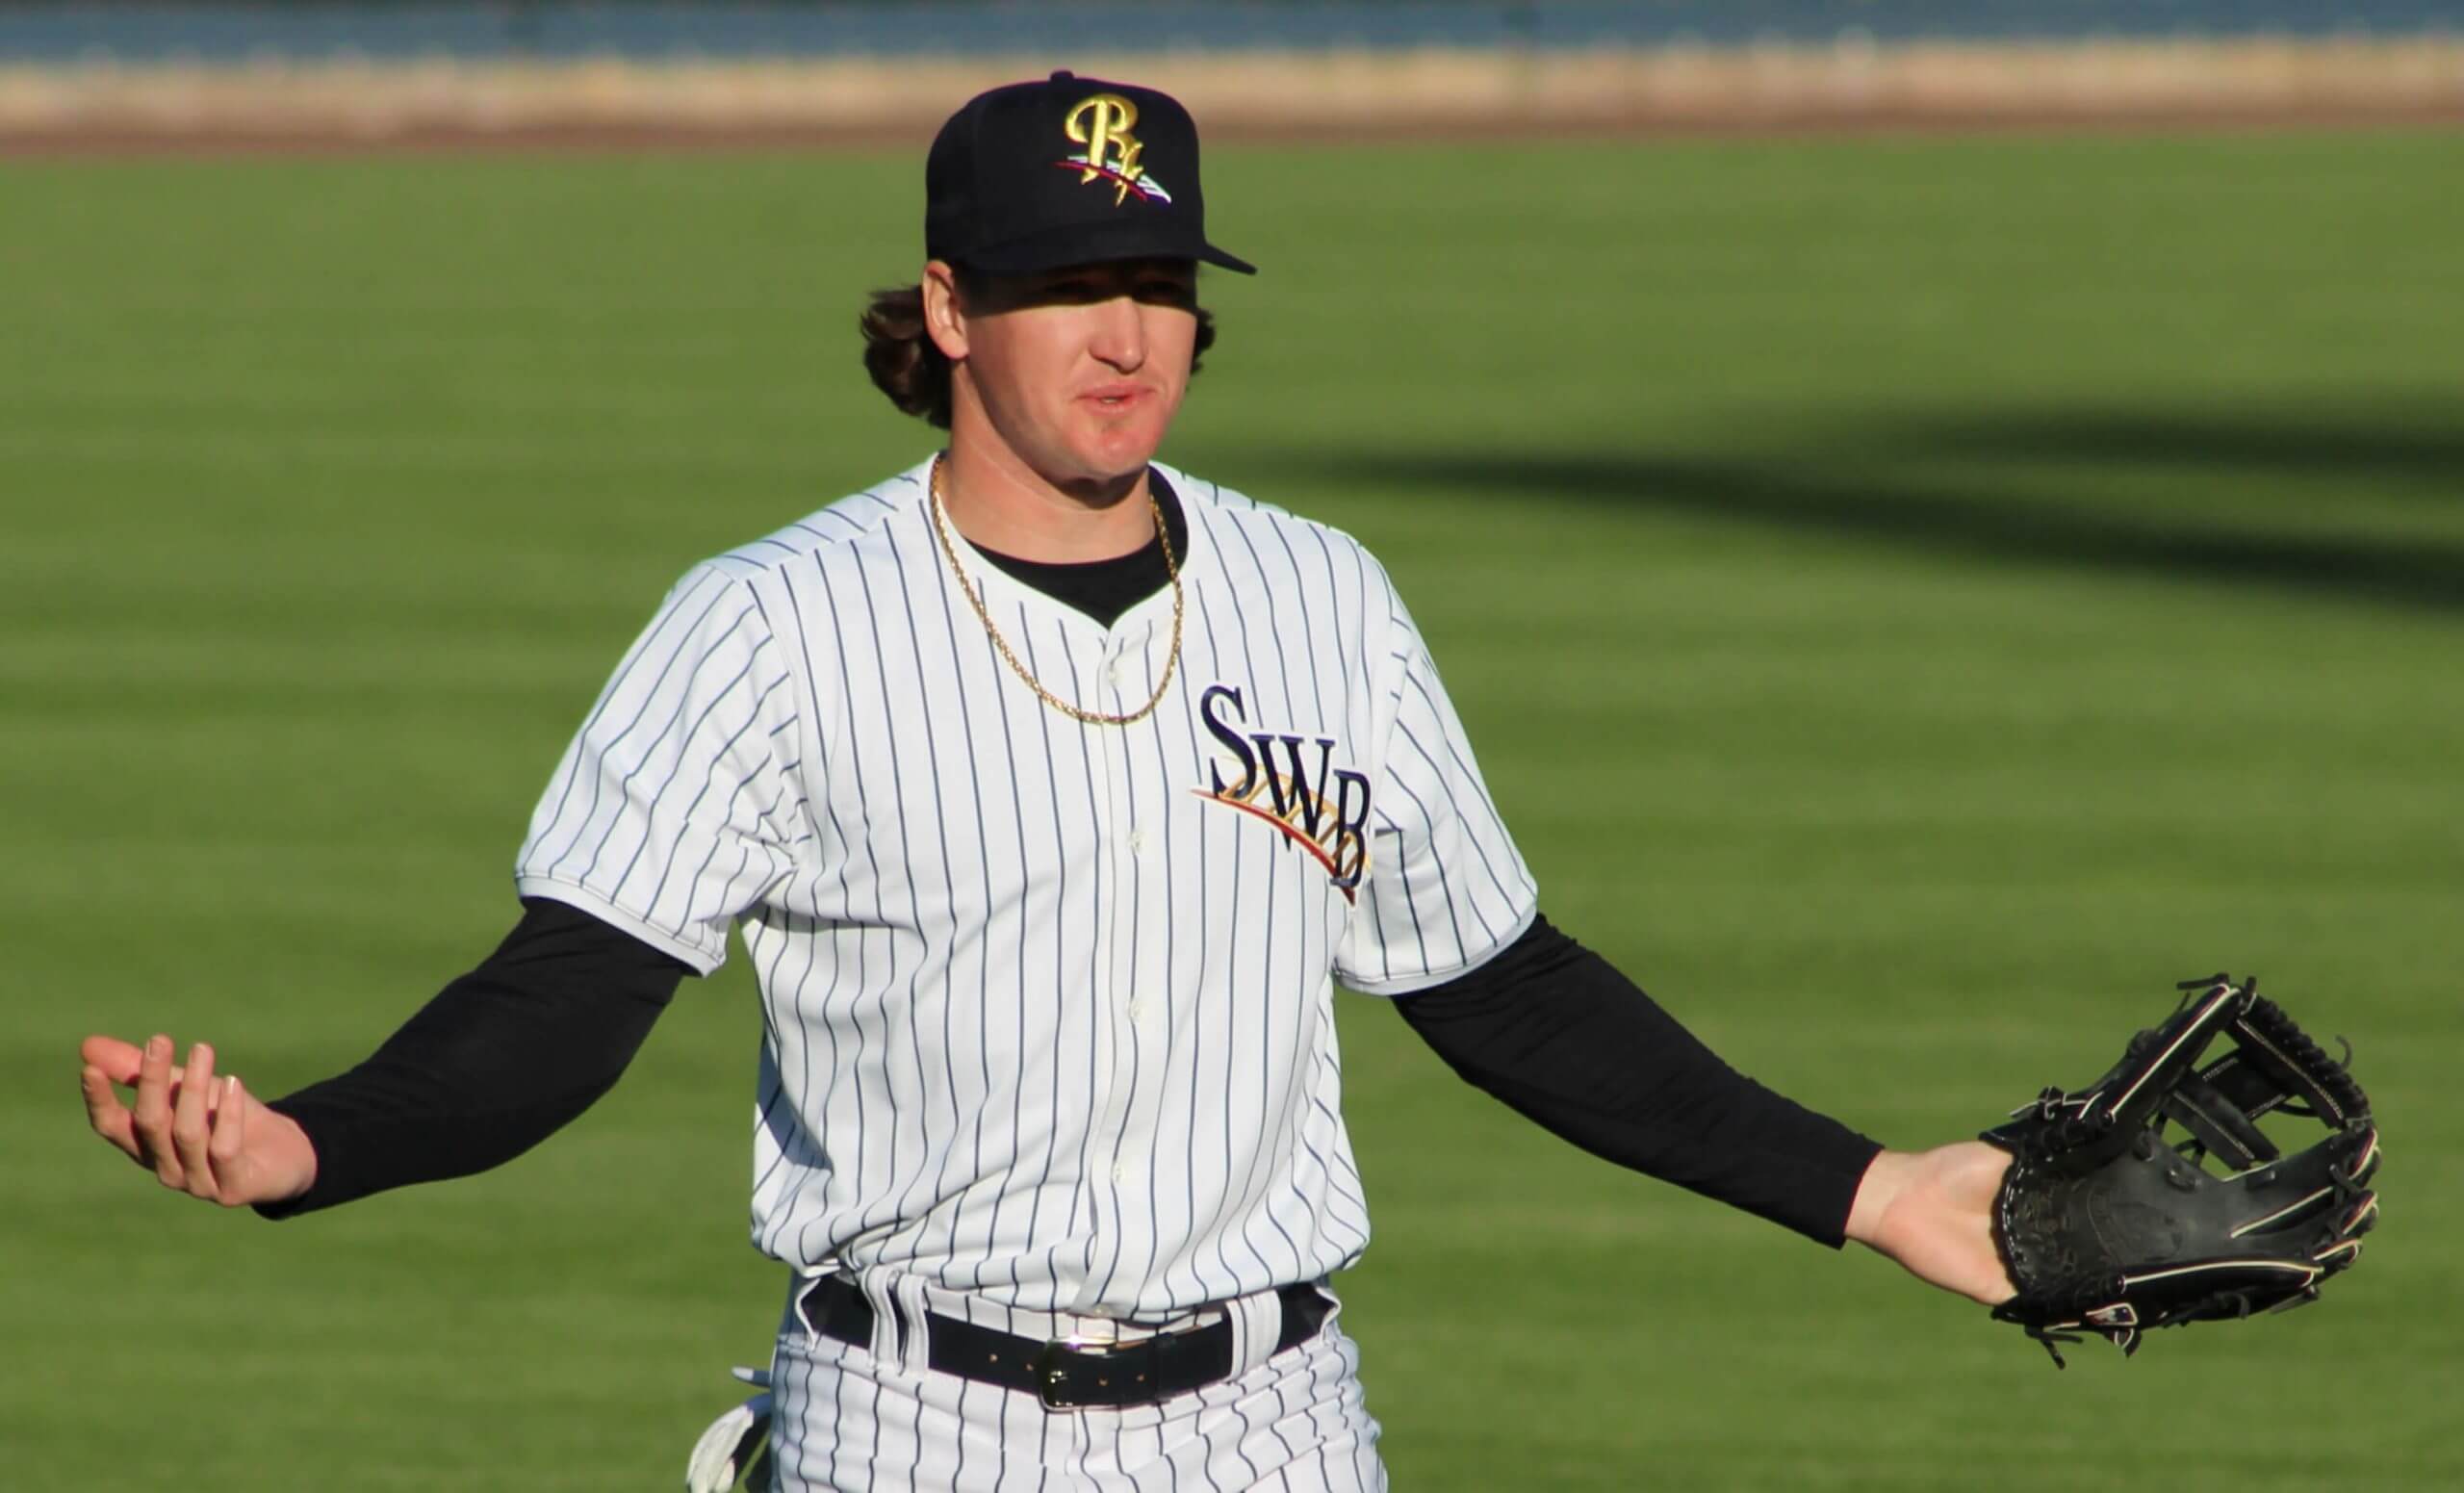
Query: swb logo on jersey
[1326, 815]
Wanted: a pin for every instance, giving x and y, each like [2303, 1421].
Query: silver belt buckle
[1047, 1369]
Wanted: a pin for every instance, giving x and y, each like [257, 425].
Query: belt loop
[797, 1321]
[1257, 1322]
[915, 1340]
[888, 1329]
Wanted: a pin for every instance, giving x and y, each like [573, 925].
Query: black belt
[1066, 1375]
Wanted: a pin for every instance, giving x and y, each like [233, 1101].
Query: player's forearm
[1554, 1032]
[501, 1059]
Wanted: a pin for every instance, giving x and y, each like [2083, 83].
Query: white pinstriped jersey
[1048, 1006]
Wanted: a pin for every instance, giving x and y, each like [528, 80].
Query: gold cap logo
[1102, 125]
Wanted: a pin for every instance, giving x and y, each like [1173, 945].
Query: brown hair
[906, 366]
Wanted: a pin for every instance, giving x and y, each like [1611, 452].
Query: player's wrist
[297, 1162]
[1885, 1178]
[288, 1162]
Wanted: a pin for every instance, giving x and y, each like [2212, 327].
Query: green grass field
[1913, 598]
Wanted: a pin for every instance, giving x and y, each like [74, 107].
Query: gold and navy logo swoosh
[1290, 784]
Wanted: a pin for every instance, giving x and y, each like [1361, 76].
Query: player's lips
[1113, 398]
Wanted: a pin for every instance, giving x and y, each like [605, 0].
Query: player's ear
[944, 317]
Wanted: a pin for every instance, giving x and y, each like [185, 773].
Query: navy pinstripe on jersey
[1048, 1006]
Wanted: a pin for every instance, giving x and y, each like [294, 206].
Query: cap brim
[1096, 243]
[1232, 262]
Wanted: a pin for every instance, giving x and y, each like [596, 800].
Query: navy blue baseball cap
[1070, 170]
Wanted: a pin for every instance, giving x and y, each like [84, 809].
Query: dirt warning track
[825, 103]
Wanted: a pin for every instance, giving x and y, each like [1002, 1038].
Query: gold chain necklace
[1001, 645]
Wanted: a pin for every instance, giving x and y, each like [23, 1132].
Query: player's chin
[1116, 446]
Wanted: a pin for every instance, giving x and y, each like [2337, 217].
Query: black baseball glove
[2108, 1226]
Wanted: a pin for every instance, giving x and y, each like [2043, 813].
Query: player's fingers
[119, 1060]
[104, 1110]
[190, 1131]
[150, 1117]
[230, 1141]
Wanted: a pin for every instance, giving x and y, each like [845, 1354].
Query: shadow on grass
[2403, 445]
[1975, 515]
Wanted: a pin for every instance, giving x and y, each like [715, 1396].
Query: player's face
[1080, 371]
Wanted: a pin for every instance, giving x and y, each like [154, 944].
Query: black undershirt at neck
[1104, 589]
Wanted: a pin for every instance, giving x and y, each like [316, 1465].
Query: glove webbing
[2274, 1062]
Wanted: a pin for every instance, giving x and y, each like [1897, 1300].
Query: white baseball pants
[848, 1422]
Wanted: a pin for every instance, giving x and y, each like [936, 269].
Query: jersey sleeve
[1445, 889]
[676, 807]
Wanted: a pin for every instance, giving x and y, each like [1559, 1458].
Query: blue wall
[562, 29]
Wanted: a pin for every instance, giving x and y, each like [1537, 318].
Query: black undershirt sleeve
[1554, 1031]
[501, 1059]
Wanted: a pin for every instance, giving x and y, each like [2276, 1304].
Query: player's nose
[1118, 337]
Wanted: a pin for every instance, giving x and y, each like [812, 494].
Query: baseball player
[1053, 791]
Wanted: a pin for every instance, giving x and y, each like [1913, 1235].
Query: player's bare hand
[1933, 1212]
[199, 1134]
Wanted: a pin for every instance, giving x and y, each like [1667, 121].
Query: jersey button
[1138, 842]
[1111, 674]
[1120, 1171]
